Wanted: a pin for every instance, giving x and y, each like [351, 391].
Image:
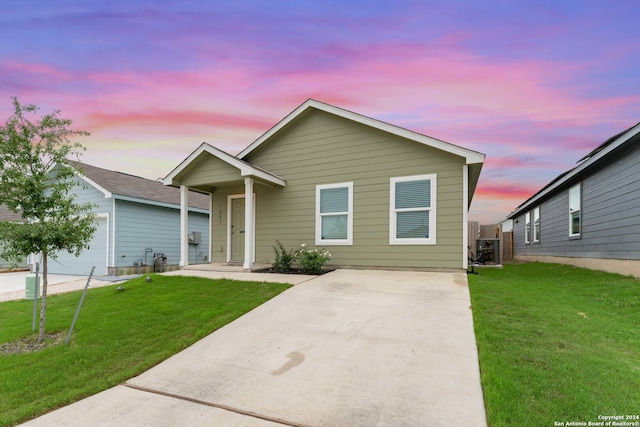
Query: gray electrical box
[195, 238]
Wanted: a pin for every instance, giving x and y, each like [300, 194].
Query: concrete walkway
[349, 348]
[12, 285]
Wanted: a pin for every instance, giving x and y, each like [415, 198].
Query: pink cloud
[506, 191]
[164, 118]
[41, 69]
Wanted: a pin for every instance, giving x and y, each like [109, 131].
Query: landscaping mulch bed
[30, 344]
[292, 271]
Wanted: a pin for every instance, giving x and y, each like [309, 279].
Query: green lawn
[118, 335]
[556, 343]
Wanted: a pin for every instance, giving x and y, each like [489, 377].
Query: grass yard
[118, 335]
[557, 344]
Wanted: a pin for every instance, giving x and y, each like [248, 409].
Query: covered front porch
[231, 185]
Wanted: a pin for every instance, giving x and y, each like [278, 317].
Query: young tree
[36, 179]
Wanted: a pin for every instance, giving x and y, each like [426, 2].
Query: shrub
[283, 258]
[312, 260]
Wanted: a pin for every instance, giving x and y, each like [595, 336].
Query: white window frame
[527, 227]
[572, 211]
[536, 225]
[431, 240]
[327, 242]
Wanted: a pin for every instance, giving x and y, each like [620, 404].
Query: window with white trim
[536, 225]
[413, 210]
[334, 214]
[527, 227]
[575, 205]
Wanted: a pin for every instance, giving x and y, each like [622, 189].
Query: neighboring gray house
[136, 218]
[590, 215]
[7, 215]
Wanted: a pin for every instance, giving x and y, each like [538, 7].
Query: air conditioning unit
[488, 251]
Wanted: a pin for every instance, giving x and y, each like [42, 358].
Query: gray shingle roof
[131, 186]
[7, 215]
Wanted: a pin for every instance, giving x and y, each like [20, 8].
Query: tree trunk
[43, 304]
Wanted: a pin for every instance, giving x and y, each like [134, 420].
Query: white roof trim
[107, 193]
[246, 169]
[575, 171]
[156, 203]
[469, 155]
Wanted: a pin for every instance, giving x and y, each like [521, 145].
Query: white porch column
[465, 217]
[184, 226]
[211, 227]
[249, 226]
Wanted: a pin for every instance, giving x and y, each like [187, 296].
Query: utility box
[30, 287]
[195, 238]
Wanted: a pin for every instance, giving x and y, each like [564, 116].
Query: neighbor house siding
[19, 263]
[141, 226]
[324, 149]
[86, 193]
[609, 214]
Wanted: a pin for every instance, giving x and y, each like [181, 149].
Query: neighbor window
[575, 210]
[536, 225]
[527, 227]
[413, 210]
[334, 214]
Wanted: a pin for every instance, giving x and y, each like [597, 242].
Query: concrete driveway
[349, 348]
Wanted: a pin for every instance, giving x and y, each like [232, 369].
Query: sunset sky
[534, 85]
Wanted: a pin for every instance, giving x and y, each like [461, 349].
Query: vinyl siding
[98, 254]
[142, 226]
[19, 263]
[210, 166]
[324, 149]
[609, 214]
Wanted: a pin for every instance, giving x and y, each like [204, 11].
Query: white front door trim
[251, 224]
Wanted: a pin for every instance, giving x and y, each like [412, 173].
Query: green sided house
[373, 194]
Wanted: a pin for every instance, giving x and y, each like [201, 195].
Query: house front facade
[137, 220]
[372, 194]
[590, 215]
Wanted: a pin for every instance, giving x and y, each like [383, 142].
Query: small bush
[283, 258]
[312, 260]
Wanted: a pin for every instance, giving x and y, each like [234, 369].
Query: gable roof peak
[471, 157]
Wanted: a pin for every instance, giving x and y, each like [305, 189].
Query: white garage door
[67, 263]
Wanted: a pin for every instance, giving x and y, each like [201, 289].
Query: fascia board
[575, 171]
[168, 180]
[156, 203]
[107, 193]
[245, 168]
[469, 155]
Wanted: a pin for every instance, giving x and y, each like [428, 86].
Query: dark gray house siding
[609, 208]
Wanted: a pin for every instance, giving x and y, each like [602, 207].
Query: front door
[237, 229]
